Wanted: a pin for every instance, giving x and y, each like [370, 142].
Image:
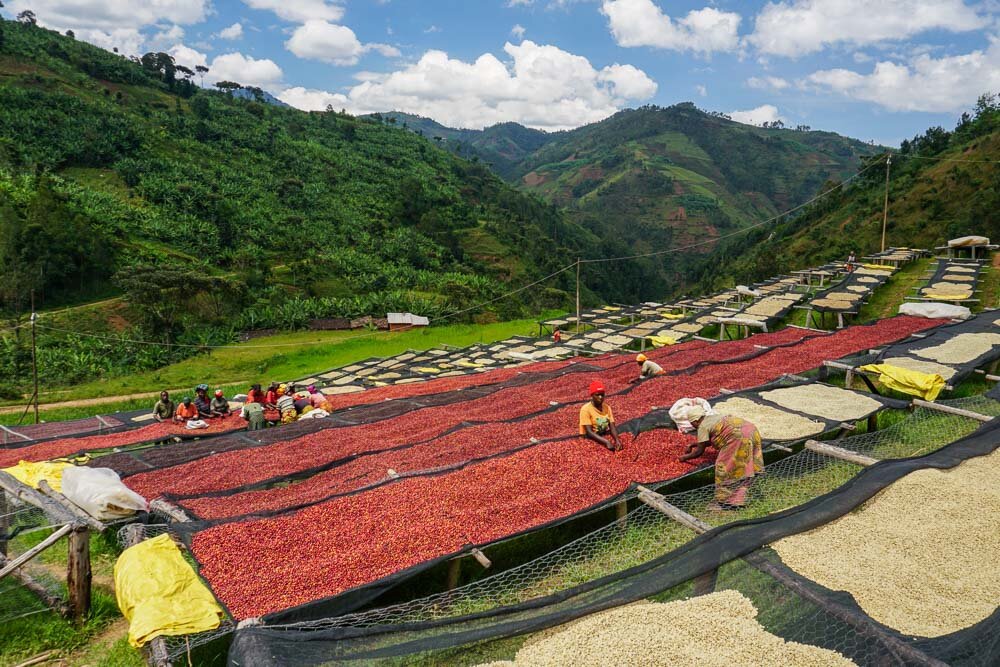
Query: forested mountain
[942, 185]
[656, 178]
[122, 175]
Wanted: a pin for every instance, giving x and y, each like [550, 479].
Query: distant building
[406, 321]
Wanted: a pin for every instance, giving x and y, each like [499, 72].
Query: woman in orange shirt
[597, 422]
[186, 410]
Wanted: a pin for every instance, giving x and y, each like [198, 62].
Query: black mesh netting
[983, 323]
[788, 605]
[856, 285]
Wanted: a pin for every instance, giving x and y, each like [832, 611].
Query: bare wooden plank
[70, 506]
[839, 453]
[481, 558]
[25, 493]
[659, 503]
[35, 550]
[950, 410]
[169, 510]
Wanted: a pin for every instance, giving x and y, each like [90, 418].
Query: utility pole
[885, 208]
[34, 353]
[578, 295]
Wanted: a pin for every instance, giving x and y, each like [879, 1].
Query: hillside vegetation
[942, 185]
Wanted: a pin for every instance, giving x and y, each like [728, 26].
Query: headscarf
[641, 358]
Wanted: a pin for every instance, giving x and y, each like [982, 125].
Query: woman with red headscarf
[597, 422]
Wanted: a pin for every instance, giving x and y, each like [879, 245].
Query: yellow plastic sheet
[31, 474]
[159, 593]
[946, 296]
[925, 385]
[879, 267]
[660, 341]
[672, 316]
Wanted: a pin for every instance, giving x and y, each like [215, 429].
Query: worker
[318, 399]
[185, 411]
[220, 406]
[852, 261]
[556, 336]
[647, 368]
[254, 414]
[740, 455]
[202, 402]
[286, 405]
[597, 422]
[271, 398]
[255, 395]
[163, 411]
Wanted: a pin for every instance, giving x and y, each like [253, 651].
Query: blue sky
[880, 71]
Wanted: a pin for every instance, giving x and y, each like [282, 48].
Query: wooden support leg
[705, 584]
[78, 573]
[621, 511]
[4, 523]
[454, 570]
[873, 422]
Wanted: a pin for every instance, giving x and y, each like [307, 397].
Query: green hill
[108, 163]
[942, 185]
[655, 178]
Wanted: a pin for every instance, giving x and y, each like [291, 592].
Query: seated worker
[202, 402]
[163, 411]
[255, 395]
[318, 399]
[286, 405]
[647, 368]
[186, 410]
[254, 414]
[597, 423]
[740, 456]
[271, 398]
[302, 402]
[220, 406]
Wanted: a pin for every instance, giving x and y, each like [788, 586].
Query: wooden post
[454, 570]
[621, 512]
[34, 353]
[705, 584]
[839, 453]
[4, 523]
[78, 573]
[657, 502]
[950, 410]
[873, 422]
[885, 208]
[578, 295]
[481, 558]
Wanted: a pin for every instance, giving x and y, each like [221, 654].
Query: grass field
[279, 357]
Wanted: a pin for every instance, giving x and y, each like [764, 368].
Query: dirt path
[102, 400]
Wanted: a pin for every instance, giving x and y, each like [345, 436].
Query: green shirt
[220, 404]
[164, 410]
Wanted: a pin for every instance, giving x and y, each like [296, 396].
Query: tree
[202, 70]
[228, 86]
[162, 65]
[27, 17]
[71, 34]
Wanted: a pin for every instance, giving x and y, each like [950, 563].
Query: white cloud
[432, 29]
[701, 90]
[520, 3]
[766, 113]
[111, 15]
[331, 43]
[235, 31]
[114, 23]
[946, 84]
[171, 35]
[767, 83]
[861, 57]
[244, 69]
[185, 55]
[300, 11]
[642, 23]
[319, 40]
[544, 87]
[799, 27]
[517, 32]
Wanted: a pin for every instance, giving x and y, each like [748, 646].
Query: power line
[942, 159]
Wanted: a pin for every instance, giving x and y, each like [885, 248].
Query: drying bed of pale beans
[867, 280]
[773, 424]
[929, 367]
[921, 556]
[768, 307]
[823, 401]
[961, 349]
[715, 630]
[836, 304]
[957, 278]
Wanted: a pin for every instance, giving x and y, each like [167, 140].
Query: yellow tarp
[159, 593]
[672, 316]
[879, 267]
[925, 385]
[660, 341]
[32, 473]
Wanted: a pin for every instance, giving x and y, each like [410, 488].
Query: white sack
[678, 412]
[935, 310]
[964, 241]
[101, 493]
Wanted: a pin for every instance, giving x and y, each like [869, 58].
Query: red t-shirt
[254, 396]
